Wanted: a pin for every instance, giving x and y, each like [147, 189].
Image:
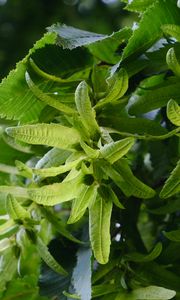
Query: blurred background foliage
[23, 22]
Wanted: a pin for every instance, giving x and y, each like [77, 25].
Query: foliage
[90, 170]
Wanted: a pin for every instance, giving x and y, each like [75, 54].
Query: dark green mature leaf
[107, 49]
[81, 277]
[173, 235]
[143, 101]
[15, 92]
[149, 29]
[172, 184]
[137, 257]
[54, 135]
[99, 226]
[134, 125]
[48, 258]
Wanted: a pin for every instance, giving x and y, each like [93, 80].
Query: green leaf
[118, 85]
[99, 226]
[106, 49]
[48, 258]
[107, 193]
[85, 109]
[80, 204]
[53, 158]
[81, 277]
[172, 62]
[173, 112]
[153, 293]
[115, 150]
[23, 169]
[54, 135]
[173, 235]
[172, 184]
[133, 125]
[53, 194]
[69, 37]
[90, 152]
[8, 229]
[139, 5]
[54, 171]
[46, 98]
[141, 258]
[145, 100]
[59, 225]
[15, 209]
[172, 30]
[149, 29]
[15, 94]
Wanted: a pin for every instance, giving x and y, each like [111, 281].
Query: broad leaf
[149, 29]
[153, 293]
[173, 112]
[54, 135]
[99, 227]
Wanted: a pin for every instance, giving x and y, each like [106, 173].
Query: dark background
[23, 22]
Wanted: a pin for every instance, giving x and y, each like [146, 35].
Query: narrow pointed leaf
[8, 229]
[53, 158]
[173, 235]
[115, 150]
[53, 194]
[46, 98]
[172, 62]
[153, 293]
[172, 184]
[92, 153]
[17, 191]
[107, 193]
[54, 135]
[15, 209]
[137, 257]
[137, 187]
[99, 226]
[118, 85]
[80, 204]
[23, 169]
[85, 109]
[173, 112]
[48, 258]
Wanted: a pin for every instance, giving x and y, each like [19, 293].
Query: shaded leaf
[137, 257]
[173, 235]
